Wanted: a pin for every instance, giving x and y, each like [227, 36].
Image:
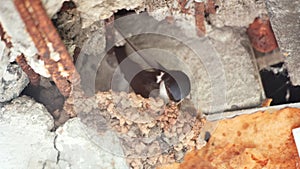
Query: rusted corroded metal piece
[200, 18]
[33, 77]
[184, 6]
[261, 35]
[210, 7]
[48, 43]
[4, 37]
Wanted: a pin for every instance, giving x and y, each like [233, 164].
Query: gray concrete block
[78, 147]
[12, 82]
[25, 137]
[285, 20]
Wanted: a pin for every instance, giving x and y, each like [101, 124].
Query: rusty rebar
[32, 75]
[200, 18]
[48, 43]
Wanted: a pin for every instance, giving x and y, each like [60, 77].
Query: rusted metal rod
[48, 43]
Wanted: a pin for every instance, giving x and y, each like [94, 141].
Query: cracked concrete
[26, 141]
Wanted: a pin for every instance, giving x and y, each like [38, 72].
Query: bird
[154, 80]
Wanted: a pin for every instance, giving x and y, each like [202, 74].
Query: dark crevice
[277, 85]
[49, 96]
[44, 165]
[58, 152]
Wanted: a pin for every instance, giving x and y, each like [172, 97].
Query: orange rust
[37, 33]
[45, 25]
[261, 35]
[182, 4]
[170, 19]
[32, 29]
[200, 18]
[33, 77]
[4, 37]
[267, 102]
[210, 7]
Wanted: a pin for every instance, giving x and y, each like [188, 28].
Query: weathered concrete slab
[78, 148]
[25, 137]
[285, 20]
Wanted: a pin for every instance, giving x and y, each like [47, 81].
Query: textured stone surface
[243, 86]
[285, 20]
[79, 148]
[237, 13]
[52, 6]
[12, 82]
[94, 10]
[25, 137]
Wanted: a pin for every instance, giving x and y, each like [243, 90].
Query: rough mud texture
[26, 140]
[284, 16]
[12, 82]
[146, 133]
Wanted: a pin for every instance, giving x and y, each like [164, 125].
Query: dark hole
[217, 7]
[67, 5]
[50, 96]
[123, 12]
[207, 136]
[277, 85]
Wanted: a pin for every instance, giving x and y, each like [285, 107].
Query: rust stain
[261, 35]
[210, 7]
[45, 25]
[267, 102]
[183, 8]
[4, 37]
[45, 36]
[200, 18]
[33, 77]
[182, 4]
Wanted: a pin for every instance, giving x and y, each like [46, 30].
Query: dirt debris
[151, 132]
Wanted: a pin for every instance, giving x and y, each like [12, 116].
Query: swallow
[155, 80]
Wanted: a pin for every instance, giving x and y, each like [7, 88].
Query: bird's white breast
[163, 92]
